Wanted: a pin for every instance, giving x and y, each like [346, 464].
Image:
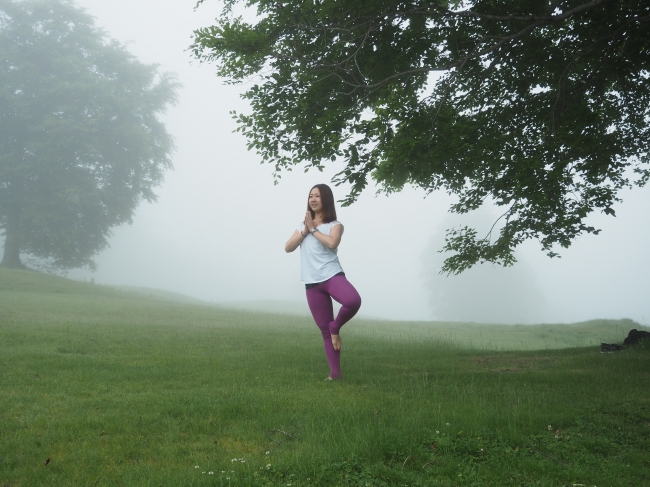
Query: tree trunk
[11, 256]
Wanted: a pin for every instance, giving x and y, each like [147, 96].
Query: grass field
[112, 388]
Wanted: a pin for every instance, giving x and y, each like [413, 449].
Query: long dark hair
[327, 200]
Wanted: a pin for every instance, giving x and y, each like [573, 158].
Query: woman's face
[314, 200]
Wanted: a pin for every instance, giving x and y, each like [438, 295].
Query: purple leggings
[319, 299]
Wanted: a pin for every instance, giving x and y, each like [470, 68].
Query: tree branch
[537, 21]
[544, 18]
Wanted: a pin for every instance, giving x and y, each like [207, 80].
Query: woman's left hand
[309, 222]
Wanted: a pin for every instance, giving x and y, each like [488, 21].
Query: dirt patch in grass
[237, 446]
[513, 364]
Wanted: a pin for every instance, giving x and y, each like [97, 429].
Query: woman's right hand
[309, 222]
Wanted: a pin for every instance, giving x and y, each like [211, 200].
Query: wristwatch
[313, 230]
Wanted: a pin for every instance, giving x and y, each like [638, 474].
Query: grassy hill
[33, 288]
[108, 387]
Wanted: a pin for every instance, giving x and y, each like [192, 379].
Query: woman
[319, 237]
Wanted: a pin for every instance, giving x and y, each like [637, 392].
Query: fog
[218, 230]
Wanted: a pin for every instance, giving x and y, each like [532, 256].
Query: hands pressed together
[330, 241]
[309, 222]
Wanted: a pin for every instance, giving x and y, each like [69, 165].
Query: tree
[80, 142]
[541, 107]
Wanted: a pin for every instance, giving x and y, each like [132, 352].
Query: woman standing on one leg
[319, 237]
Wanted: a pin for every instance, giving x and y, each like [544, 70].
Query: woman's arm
[330, 241]
[294, 241]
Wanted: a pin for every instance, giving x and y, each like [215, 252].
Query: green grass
[117, 388]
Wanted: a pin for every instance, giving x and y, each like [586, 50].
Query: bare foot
[336, 342]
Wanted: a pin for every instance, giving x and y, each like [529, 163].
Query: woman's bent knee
[353, 301]
[355, 304]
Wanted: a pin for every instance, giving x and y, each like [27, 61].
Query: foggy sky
[219, 227]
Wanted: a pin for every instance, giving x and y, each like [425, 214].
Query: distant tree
[542, 106]
[80, 142]
[484, 293]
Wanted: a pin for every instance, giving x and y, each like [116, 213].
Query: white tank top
[318, 263]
